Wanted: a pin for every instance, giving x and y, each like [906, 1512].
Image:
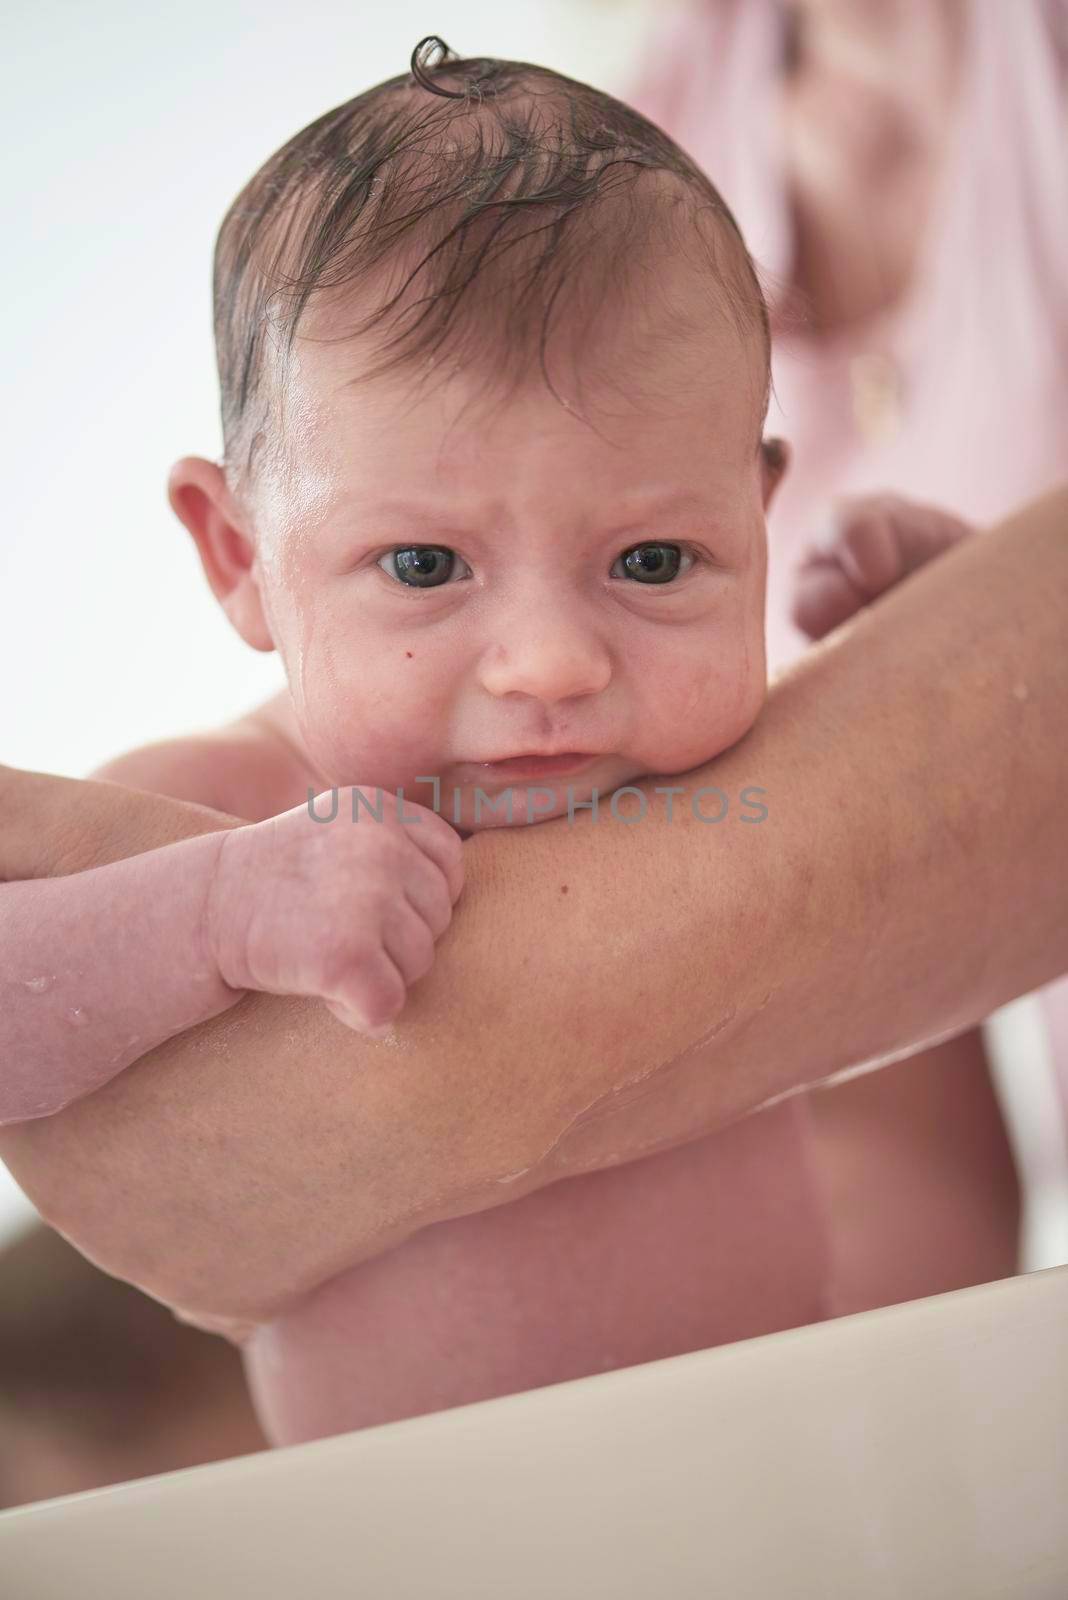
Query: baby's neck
[296, 772]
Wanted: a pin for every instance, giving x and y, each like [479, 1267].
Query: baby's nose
[547, 661]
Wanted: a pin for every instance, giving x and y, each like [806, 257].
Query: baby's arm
[876, 542]
[100, 967]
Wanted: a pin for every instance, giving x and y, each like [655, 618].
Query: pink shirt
[973, 366]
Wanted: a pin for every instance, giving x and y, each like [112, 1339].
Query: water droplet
[37, 985]
[78, 1017]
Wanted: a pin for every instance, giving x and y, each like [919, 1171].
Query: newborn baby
[494, 368]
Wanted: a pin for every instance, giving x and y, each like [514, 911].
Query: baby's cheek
[357, 749]
[710, 706]
[365, 720]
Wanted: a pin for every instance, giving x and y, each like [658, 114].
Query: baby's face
[449, 591]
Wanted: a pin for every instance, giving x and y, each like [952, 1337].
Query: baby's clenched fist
[876, 541]
[344, 910]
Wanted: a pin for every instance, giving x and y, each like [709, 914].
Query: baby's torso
[714, 1241]
[725, 1238]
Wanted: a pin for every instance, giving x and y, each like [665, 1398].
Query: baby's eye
[652, 563]
[421, 566]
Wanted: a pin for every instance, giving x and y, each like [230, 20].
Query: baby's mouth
[533, 766]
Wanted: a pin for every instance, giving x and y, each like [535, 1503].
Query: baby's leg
[876, 541]
[917, 1175]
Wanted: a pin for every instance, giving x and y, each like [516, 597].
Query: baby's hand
[348, 911]
[876, 541]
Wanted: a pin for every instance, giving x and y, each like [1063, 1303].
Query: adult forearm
[910, 876]
[916, 876]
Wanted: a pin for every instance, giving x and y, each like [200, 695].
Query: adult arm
[910, 878]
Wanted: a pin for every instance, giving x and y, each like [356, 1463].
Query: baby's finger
[429, 895]
[824, 598]
[408, 942]
[442, 844]
[923, 533]
[869, 550]
[353, 1020]
[372, 995]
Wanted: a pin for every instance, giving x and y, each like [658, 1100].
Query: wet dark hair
[509, 189]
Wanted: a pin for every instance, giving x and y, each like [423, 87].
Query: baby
[494, 368]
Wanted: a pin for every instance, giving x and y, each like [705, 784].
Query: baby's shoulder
[245, 768]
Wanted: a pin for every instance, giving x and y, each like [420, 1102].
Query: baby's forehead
[669, 335]
[468, 424]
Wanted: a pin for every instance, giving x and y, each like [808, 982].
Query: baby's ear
[774, 460]
[199, 497]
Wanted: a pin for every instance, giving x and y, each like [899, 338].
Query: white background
[128, 128]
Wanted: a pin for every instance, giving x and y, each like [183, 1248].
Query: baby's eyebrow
[361, 520]
[630, 510]
[420, 510]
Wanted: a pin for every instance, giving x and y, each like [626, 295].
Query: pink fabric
[980, 346]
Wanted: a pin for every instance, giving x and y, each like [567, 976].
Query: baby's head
[494, 369]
